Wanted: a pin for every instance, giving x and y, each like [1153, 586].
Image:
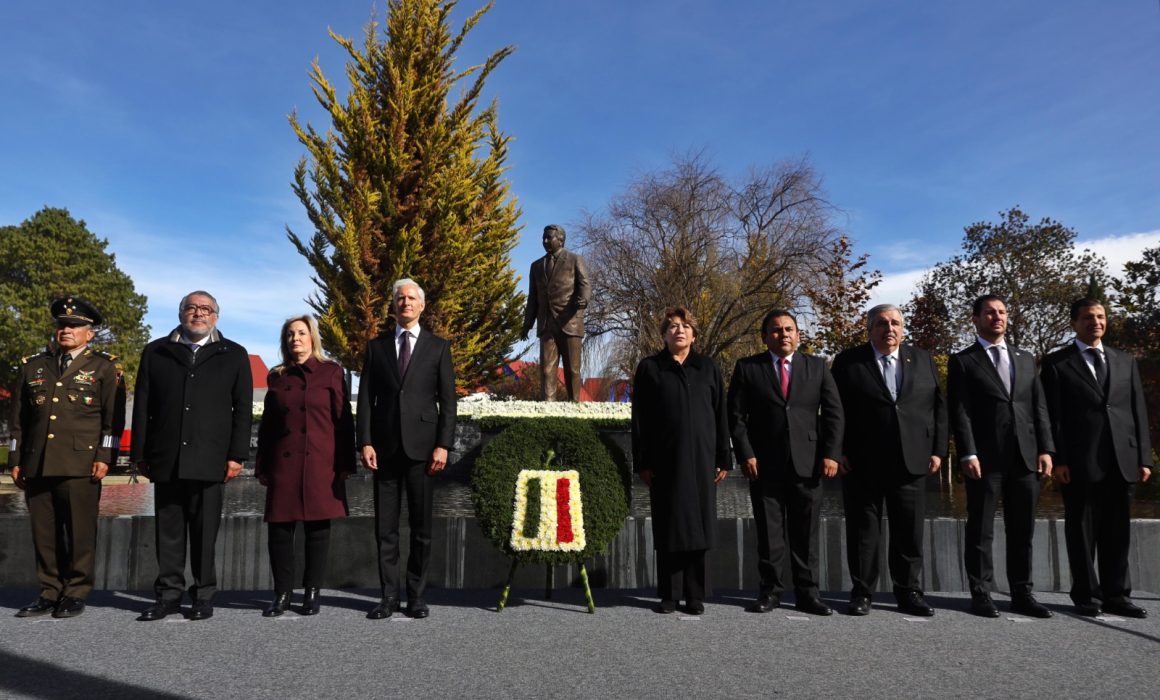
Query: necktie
[1002, 366]
[550, 265]
[404, 353]
[888, 373]
[1100, 367]
[783, 376]
[65, 359]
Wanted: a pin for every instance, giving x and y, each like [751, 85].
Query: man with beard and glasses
[192, 411]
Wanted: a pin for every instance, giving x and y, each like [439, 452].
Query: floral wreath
[549, 490]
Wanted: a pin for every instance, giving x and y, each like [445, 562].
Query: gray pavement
[548, 649]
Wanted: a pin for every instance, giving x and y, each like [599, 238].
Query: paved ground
[540, 648]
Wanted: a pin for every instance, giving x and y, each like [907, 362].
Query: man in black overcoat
[786, 420]
[68, 412]
[406, 425]
[1003, 439]
[896, 435]
[1102, 448]
[192, 410]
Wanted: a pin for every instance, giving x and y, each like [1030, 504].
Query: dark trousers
[681, 572]
[864, 495]
[1097, 520]
[553, 348]
[395, 476]
[280, 538]
[63, 512]
[1019, 489]
[189, 513]
[786, 511]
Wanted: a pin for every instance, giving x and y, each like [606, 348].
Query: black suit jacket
[806, 426]
[416, 411]
[989, 423]
[914, 426]
[1080, 413]
[192, 413]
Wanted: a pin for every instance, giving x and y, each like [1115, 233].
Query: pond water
[245, 496]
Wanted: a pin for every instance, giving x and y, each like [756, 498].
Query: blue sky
[163, 125]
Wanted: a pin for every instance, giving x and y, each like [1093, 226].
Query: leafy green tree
[1135, 317]
[1035, 267]
[409, 183]
[838, 301]
[929, 321]
[51, 255]
[1137, 304]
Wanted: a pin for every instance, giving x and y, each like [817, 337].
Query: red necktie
[783, 375]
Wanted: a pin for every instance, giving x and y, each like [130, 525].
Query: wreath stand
[549, 585]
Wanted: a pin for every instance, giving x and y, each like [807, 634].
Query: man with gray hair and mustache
[192, 410]
[896, 435]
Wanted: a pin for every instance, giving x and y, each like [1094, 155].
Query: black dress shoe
[912, 603]
[69, 607]
[280, 605]
[201, 610]
[666, 607]
[859, 606]
[159, 610]
[386, 607]
[814, 606]
[765, 602]
[1125, 608]
[311, 603]
[418, 609]
[1027, 605]
[983, 606]
[1088, 609]
[42, 606]
[695, 607]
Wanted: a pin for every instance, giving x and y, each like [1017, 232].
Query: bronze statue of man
[558, 293]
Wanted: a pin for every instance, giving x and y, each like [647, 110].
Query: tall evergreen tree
[51, 255]
[409, 183]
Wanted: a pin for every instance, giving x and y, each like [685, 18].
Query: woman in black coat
[305, 451]
[680, 445]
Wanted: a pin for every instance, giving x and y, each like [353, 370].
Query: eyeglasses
[200, 308]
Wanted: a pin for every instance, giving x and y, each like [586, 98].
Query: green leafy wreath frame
[526, 443]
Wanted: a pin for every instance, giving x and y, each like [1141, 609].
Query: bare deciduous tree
[729, 252]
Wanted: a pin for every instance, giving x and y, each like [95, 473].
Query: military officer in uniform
[68, 414]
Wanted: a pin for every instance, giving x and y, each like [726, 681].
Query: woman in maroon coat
[305, 451]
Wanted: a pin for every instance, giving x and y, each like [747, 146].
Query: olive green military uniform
[61, 425]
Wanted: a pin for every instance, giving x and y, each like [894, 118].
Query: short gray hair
[876, 311]
[408, 282]
[199, 293]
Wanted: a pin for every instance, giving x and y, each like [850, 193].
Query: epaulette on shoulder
[25, 360]
[107, 355]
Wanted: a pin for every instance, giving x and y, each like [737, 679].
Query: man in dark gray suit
[1102, 448]
[406, 425]
[558, 293]
[785, 417]
[896, 435]
[1003, 437]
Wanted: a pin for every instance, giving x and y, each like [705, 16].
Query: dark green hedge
[522, 445]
